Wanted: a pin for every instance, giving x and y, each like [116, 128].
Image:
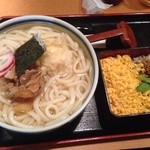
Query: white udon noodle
[64, 91]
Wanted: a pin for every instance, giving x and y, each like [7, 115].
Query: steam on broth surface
[65, 76]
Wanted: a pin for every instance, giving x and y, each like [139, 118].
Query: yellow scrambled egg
[120, 75]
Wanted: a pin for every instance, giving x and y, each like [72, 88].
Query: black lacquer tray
[90, 125]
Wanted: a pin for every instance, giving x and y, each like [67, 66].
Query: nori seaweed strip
[27, 54]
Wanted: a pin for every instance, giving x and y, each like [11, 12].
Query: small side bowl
[83, 40]
[108, 117]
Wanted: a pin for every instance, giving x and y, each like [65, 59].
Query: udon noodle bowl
[61, 77]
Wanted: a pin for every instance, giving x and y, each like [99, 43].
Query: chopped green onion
[144, 79]
[143, 87]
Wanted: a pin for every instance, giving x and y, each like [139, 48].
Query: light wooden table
[115, 145]
[62, 7]
[74, 7]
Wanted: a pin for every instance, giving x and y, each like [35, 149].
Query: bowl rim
[81, 36]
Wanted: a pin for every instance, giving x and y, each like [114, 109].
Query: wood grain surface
[63, 7]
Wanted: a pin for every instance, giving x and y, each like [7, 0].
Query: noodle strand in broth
[67, 74]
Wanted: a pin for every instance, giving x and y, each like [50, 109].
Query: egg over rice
[121, 80]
